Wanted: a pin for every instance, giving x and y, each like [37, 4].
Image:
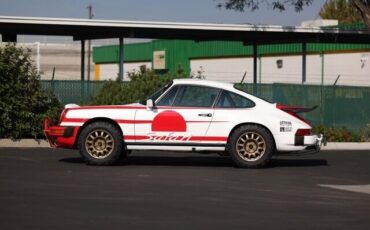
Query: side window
[167, 100]
[196, 96]
[233, 100]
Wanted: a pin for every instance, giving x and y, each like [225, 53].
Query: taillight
[303, 132]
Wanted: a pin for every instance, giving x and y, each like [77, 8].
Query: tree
[24, 103]
[241, 5]
[363, 6]
[342, 10]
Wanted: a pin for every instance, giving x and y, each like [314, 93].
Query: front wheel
[251, 146]
[100, 143]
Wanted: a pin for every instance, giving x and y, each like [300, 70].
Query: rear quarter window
[232, 100]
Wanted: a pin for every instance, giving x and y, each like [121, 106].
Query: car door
[182, 115]
[230, 109]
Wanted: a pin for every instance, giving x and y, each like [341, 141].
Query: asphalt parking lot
[54, 189]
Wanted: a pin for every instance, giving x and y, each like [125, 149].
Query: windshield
[157, 94]
[248, 88]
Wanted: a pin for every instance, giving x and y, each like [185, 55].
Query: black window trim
[167, 92]
[169, 85]
[205, 86]
[223, 90]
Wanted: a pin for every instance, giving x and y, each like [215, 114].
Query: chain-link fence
[77, 92]
[339, 106]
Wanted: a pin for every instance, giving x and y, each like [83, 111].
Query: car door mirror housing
[149, 103]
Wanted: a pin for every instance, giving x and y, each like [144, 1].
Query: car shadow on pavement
[298, 162]
[165, 161]
[207, 161]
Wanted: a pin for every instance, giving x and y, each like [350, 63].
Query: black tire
[95, 144]
[249, 154]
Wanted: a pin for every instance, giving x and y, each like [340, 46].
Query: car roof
[217, 84]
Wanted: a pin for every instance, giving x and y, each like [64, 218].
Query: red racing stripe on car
[206, 138]
[108, 107]
[203, 121]
[133, 137]
[120, 121]
[163, 138]
[134, 122]
[74, 120]
[214, 108]
[83, 120]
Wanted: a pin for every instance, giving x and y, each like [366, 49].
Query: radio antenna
[245, 74]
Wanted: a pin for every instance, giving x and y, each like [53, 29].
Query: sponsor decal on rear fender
[285, 126]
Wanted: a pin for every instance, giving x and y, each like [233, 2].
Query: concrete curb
[347, 146]
[23, 143]
[31, 143]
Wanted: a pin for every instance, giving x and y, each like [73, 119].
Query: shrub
[23, 102]
[143, 83]
[338, 134]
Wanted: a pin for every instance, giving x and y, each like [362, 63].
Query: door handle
[205, 114]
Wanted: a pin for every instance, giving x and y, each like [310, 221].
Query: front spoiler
[60, 136]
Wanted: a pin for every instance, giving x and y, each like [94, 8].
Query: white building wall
[224, 69]
[66, 58]
[313, 69]
[110, 71]
[354, 69]
[290, 72]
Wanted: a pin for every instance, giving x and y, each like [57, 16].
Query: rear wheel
[251, 146]
[100, 143]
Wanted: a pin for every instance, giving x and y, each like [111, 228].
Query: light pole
[37, 56]
[91, 15]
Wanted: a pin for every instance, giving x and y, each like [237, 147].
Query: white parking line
[351, 188]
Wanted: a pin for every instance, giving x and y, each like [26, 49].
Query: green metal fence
[78, 92]
[339, 106]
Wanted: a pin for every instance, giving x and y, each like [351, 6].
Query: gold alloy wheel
[250, 146]
[99, 144]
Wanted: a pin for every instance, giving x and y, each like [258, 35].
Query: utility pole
[91, 15]
[37, 56]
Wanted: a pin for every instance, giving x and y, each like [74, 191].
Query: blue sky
[156, 10]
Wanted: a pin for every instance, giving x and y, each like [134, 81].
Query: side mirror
[149, 104]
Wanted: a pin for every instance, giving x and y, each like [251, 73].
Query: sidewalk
[31, 143]
[347, 146]
[23, 143]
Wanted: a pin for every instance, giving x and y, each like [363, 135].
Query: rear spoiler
[295, 109]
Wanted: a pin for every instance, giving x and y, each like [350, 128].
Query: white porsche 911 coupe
[185, 115]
